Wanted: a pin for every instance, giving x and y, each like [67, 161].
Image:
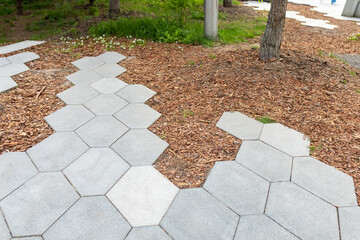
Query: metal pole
[211, 9]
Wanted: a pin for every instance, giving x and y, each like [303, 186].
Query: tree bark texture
[227, 3]
[271, 40]
[114, 8]
[19, 7]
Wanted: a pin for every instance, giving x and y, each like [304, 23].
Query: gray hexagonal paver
[301, 212]
[4, 231]
[140, 147]
[261, 227]
[36, 205]
[148, 233]
[12, 69]
[108, 85]
[83, 77]
[78, 94]
[324, 181]
[237, 187]
[102, 131]
[69, 118]
[349, 218]
[110, 70]
[7, 83]
[268, 162]
[4, 61]
[143, 195]
[91, 218]
[57, 151]
[87, 172]
[18, 46]
[28, 238]
[240, 125]
[111, 57]
[195, 214]
[23, 57]
[285, 139]
[87, 63]
[15, 169]
[106, 104]
[136, 93]
[137, 116]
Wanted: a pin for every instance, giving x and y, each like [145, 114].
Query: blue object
[333, 1]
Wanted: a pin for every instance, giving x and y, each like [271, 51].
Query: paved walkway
[94, 179]
[19, 46]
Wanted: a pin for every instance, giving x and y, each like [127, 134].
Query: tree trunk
[271, 40]
[114, 8]
[227, 3]
[19, 7]
[91, 2]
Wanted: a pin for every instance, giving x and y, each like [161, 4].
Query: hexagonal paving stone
[4, 61]
[237, 187]
[90, 218]
[23, 57]
[137, 116]
[111, 57]
[69, 118]
[285, 139]
[195, 214]
[265, 160]
[36, 205]
[28, 238]
[349, 218]
[57, 151]
[148, 233]
[140, 147]
[83, 77]
[240, 125]
[106, 104]
[324, 181]
[12, 69]
[108, 85]
[78, 94]
[102, 131]
[143, 195]
[4, 231]
[87, 172]
[88, 63]
[136, 93]
[7, 83]
[15, 169]
[302, 213]
[110, 70]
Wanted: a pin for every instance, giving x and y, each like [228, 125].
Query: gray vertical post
[350, 8]
[211, 8]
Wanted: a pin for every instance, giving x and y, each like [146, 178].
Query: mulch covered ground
[313, 94]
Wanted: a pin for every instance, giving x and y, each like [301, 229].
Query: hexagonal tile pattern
[4, 231]
[324, 181]
[12, 69]
[268, 162]
[148, 233]
[110, 70]
[91, 218]
[87, 172]
[349, 218]
[69, 118]
[195, 214]
[15, 169]
[28, 238]
[37, 204]
[57, 151]
[240, 125]
[23, 57]
[83, 77]
[87, 63]
[78, 94]
[18, 46]
[140, 147]
[106, 104]
[111, 57]
[301, 212]
[137, 116]
[285, 139]
[143, 195]
[102, 131]
[108, 85]
[237, 187]
[136, 93]
[4, 61]
[7, 83]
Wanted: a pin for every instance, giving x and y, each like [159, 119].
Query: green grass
[266, 119]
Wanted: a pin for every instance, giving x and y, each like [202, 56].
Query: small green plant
[188, 113]
[321, 53]
[313, 148]
[357, 90]
[344, 82]
[266, 119]
[191, 63]
[354, 37]
[212, 56]
[352, 73]
[254, 47]
[332, 55]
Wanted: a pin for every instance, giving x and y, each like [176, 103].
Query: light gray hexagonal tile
[78, 94]
[285, 139]
[140, 147]
[106, 104]
[87, 172]
[12, 69]
[195, 214]
[265, 160]
[37, 204]
[108, 85]
[23, 57]
[261, 227]
[15, 169]
[349, 218]
[57, 151]
[69, 118]
[4, 61]
[111, 57]
[240, 125]
[237, 187]
[102, 131]
[28, 238]
[7, 83]
[136, 93]
[137, 116]
[324, 181]
[143, 195]
[91, 218]
[87, 63]
[83, 77]
[148, 233]
[110, 70]
[301, 212]
[4, 231]
[18, 46]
